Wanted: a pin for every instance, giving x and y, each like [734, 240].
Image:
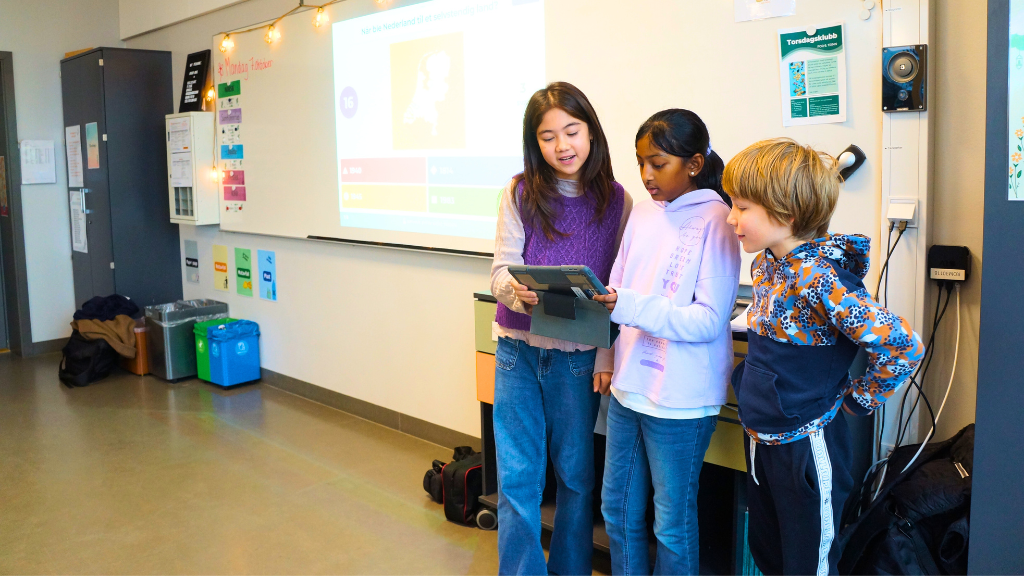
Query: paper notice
[812, 64]
[181, 169]
[243, 271]
[268, 275]
[220, 267]
[92, 145]
[231, 134]
[179, 134]
[192, 261]
[38, 162]
[747, 10]
[73, 143]
[79, 239]
[231, 116]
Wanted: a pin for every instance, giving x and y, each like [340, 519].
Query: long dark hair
[682, 133]
[536, 203]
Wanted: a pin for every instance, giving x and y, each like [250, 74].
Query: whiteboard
[631, 59]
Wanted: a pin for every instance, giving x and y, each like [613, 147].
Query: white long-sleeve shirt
[509, 244]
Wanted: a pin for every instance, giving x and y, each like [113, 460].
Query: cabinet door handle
[84, 209]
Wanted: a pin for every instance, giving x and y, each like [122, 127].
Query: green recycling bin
[203, 345]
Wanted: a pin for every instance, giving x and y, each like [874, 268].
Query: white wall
[38, 33]
[141, 16]
[959, 56]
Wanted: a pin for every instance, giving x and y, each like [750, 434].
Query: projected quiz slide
[429, 109]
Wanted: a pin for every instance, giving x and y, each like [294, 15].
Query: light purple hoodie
[676, 274]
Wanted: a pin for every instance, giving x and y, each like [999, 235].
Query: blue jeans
[643, 449]
[544, 402]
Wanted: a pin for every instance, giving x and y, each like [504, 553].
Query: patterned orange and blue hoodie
[810, 314]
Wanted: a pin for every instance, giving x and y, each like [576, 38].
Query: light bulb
[321, 17]
[214, 175]
[211, 93]
[271, 35]
[227, 43]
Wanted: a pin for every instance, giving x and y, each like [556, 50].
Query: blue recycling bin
[234, 353]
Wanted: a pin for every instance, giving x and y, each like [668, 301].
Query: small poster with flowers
[1016, 100]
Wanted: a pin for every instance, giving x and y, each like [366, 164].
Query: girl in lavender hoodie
[673, 287]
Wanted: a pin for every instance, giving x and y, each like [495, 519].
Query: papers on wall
[92, 144]
[73, 143]
[747, 10]
[38, 162]
[181, 169]
[192, 261]
[812, 63]
[179, 134]
[79, 240]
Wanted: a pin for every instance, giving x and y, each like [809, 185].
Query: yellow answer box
[396, 197]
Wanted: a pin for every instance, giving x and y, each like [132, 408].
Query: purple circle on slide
[348, 102]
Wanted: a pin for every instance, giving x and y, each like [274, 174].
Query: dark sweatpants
[796, 501]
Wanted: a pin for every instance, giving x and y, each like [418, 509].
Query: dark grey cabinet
[133, 249]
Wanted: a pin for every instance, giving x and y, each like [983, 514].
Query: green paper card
[225, 89]
[243, 271]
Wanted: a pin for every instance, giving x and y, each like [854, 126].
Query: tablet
[578, 280]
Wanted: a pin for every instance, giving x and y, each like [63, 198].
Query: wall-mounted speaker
[905, 78]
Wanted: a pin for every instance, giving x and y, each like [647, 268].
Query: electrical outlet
[902, 208]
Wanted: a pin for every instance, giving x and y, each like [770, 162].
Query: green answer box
[464, 200]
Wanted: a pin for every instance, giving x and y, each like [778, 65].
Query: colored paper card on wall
[243, 270]
[234, 177]
[92, 145]
[220, 267]
[268, 274]
[225, 89]
[234, 193]
[192, 261]
[228, 152]
[231, 116]
[231, 165]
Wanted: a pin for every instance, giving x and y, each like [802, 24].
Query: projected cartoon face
[564, 142]
[431, 88]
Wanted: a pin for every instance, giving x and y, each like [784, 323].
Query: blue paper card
[231, 152]
[268, 274]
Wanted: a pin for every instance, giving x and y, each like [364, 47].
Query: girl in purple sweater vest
[565, 208]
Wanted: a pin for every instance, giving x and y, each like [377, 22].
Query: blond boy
[810, 314]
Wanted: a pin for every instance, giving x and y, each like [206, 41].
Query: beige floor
[136, 476]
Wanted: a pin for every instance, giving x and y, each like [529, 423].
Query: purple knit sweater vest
[588, 243]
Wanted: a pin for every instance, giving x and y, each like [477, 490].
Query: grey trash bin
[172, 346]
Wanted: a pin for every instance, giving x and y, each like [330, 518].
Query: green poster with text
[243, 270]
[812, 62]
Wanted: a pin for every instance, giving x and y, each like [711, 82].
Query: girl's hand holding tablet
[525, 295]
[608, 299]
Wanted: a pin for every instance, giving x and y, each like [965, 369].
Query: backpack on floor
[86, 361]
[457, 484]
[918, 524]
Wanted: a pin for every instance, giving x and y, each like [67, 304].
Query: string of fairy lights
[272, 34]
